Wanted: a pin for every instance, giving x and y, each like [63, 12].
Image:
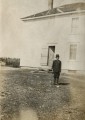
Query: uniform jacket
[56, 66]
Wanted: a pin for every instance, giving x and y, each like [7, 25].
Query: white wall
[59, 32]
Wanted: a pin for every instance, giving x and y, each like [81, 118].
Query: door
[44, 56]
[51, 52]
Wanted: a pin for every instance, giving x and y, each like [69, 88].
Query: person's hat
[57, 55]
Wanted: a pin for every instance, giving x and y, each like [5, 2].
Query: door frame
[48, 53]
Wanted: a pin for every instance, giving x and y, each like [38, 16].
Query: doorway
[51, 52]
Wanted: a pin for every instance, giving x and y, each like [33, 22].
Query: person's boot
[57, 82]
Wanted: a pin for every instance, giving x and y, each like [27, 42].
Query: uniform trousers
[56, 76]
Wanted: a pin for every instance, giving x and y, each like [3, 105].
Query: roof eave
[53, 15]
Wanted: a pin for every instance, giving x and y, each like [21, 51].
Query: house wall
[55, 31]
[61, 35]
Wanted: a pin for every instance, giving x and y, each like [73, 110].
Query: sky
[12, 28]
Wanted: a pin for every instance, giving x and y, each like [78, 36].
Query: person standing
[56, 67]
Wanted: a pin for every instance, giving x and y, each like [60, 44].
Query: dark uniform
[56, 69]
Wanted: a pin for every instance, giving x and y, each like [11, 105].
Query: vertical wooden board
[44, 56]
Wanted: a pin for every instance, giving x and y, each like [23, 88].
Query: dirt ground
[30, 95]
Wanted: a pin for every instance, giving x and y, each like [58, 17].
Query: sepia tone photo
[42, 59]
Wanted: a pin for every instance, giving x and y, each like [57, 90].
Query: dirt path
[77, 105]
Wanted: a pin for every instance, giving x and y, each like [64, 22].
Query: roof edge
[71, 2]
[53, 15]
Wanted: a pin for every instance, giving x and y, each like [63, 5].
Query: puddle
[28, 114]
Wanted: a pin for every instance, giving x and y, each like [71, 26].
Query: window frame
[72, 53]
[75, 25]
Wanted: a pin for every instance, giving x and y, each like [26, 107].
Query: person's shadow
[64, 83]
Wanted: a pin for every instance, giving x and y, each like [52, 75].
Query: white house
[62, 31]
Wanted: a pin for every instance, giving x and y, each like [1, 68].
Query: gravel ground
[26, 90]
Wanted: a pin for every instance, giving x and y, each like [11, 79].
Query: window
[73, 50]
[75, 25]
[75, 22]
